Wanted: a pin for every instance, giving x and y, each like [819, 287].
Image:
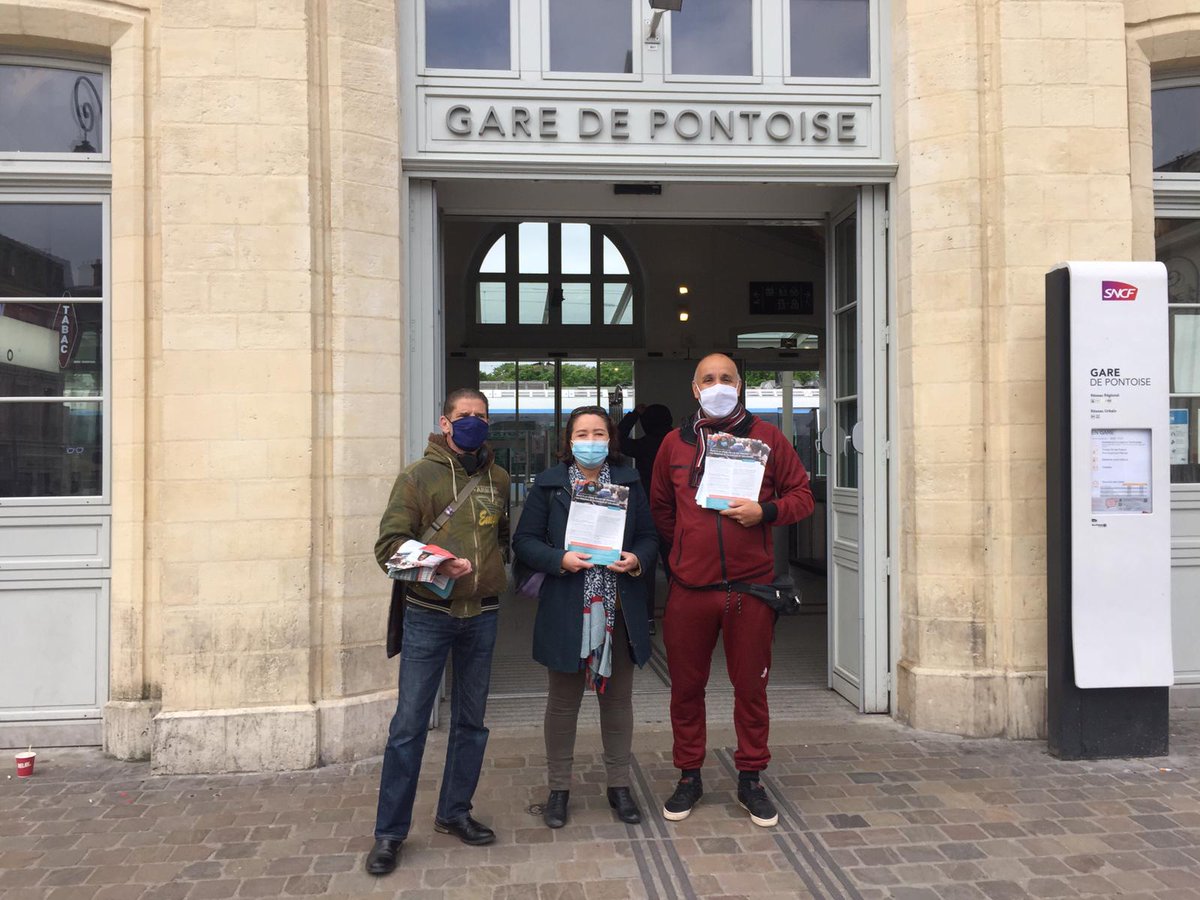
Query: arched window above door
[553, 274]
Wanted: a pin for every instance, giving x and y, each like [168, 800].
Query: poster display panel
[1122, 439]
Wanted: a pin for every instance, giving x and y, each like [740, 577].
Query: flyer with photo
[733, 470]
[417, 562]
[596, 520]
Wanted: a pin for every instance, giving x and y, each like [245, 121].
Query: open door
[854, 441]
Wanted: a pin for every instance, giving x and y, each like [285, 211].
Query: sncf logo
[1118, 290]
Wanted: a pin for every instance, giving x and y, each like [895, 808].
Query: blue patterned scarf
[599, 610]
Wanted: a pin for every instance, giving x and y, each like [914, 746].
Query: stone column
[359, 365]
[231, 422]
[1014, 156]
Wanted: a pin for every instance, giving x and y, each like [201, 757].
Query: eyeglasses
[589, 411]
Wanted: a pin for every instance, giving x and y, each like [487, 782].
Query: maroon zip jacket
[701, 547]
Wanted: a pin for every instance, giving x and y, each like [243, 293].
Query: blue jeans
[429, 637]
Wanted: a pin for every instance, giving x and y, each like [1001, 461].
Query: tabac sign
[66, 323]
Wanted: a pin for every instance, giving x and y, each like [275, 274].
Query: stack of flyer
[417, 562]
[733, 470]
[596, 520]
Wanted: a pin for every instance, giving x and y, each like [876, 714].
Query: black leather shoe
[382, 858]
[554, 813]
[466, 830]
[622, 801]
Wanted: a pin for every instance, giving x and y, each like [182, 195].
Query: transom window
[1175, 110]
[48, 109]
[830, 38]
[551, 274]
[468, 34]
[713, 37]
[706, 39]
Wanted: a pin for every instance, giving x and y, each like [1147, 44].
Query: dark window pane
[50, 449]
[50, 249]
[847, 456]
[46, 110]
[50, 350]
[467, 34]
[591, 36]
[1176, 116]
[831, 38]
[712, 37]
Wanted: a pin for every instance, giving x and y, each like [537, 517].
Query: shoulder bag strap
[445, 514]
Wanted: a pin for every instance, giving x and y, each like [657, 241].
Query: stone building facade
[258, 309]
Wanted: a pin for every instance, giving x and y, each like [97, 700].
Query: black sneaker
[687, 794]
[752, 797]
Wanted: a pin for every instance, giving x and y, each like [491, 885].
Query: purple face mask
[469, 432]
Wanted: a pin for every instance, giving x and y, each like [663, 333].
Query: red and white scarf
[737, 423]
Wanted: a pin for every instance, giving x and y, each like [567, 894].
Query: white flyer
[733, 470]
[596, 520]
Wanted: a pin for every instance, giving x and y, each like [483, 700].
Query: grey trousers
[616, 717]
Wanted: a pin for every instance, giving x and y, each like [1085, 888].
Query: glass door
[530, 401]
[854, 440]
[791, 399]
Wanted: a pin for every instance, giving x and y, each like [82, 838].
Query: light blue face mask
[589, 453]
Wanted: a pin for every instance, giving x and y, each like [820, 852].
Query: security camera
[673, 5]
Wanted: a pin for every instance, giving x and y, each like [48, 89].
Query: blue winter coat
[539, 543]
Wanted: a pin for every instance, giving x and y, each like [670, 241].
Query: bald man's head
[716, 368]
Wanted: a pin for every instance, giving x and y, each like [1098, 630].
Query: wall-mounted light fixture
[683, 289]
[660, 7]
[684, 315]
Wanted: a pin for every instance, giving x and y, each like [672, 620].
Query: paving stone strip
[867, 811]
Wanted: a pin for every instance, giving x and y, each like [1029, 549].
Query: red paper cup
[25, 763]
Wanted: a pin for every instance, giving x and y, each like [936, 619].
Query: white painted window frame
[1177, 196]
[16, 505]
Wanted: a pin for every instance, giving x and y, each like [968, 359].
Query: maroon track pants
[690, 627]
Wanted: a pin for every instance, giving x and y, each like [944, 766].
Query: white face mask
[719, 400]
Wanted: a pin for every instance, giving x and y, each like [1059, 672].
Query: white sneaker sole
[677, 816]
[761, 823]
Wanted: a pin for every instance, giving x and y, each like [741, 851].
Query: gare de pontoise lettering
[819, 126]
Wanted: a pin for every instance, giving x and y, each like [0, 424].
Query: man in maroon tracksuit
[704, 549]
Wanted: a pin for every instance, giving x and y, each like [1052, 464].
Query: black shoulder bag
[395, 625]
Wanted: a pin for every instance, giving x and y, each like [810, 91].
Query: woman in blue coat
[591, 625]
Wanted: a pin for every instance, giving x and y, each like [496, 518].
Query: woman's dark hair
[614, 440]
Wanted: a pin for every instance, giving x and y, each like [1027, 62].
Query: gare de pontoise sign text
[746, 125]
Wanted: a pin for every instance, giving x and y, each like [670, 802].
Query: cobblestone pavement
[867, 810]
